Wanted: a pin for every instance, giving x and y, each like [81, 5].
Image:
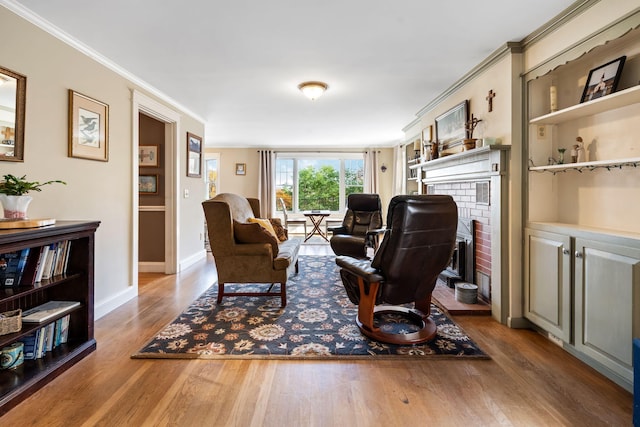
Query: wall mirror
[13, 87]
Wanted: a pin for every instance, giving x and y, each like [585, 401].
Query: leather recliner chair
[417, 246]
[364, 214]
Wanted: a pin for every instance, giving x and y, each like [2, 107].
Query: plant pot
[469, 144]
[15, 207]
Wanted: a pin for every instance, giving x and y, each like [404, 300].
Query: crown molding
[56, 32]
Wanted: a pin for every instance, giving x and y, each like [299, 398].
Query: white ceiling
[237, 64]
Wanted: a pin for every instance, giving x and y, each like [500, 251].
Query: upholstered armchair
[364, 214]
[416, 247]
[244, 247]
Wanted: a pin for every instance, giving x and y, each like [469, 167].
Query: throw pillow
[265, 224]
[254, 233]
[276, 223]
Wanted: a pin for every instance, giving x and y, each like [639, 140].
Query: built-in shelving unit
[76, 284]
[582, 235]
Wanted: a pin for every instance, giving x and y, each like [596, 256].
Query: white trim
[56, 32]
[104, 307]
[193, 259]
[143, 103]
[152, 208]
[151, 267]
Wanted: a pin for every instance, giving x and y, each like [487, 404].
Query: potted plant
[13, 194]
[470, 126]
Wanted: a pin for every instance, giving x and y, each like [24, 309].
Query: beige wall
[96, 190]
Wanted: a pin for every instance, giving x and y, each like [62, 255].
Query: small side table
[316, 218]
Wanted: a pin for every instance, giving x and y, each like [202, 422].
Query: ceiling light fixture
[313, 90]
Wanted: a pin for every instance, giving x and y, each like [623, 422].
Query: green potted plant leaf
[13, 194]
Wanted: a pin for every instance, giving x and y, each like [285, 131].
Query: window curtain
[399, 184]
[371, 171]
[266, 183]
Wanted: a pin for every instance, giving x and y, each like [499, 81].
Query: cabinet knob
[565, 251]
[578, 254]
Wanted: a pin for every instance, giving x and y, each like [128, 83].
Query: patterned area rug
[317, 323]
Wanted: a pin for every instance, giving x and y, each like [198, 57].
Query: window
[211, 164]
[311, 181]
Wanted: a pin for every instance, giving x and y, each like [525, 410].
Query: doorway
[157, 188]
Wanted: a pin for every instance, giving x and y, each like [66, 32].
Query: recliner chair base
[367, 311]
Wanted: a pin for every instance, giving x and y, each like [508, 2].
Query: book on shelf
[41, 263]
[12, 266]
[46, 339]
[48, 311]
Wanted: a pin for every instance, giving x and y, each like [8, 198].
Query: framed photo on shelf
[603, 80]
[148, 184]
[194, 155]
[148, 156]
[241, 168]
[450, 126]
[88, 128]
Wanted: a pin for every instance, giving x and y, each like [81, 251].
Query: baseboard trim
[151, 267]
[104, 307]
[519, 323]
[189, 261]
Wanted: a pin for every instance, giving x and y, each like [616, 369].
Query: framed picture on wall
[450, 126]
[603, 80]
[148, 184]
[88, 128]
[241, 168]
[194, 155]
[148, 156]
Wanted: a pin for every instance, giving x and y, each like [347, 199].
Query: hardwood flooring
[528, 382]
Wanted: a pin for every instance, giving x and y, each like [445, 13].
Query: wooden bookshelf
[76, 284]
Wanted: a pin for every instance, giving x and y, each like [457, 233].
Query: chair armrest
[337, 229]
[376, 231]
[360, 267]
[373, 237]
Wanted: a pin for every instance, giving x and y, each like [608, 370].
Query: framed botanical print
[148, 156]
[88, 128]
[194, 155]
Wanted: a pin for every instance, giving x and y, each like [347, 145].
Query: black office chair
[353, 237]
[417, 246]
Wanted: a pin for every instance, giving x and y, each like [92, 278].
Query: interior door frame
[171, 119]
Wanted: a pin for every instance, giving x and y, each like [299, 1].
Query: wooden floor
[528, 382]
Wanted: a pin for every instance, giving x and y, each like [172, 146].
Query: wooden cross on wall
[8, 133]
[489, 98]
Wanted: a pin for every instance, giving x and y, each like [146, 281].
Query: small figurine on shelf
[574, 153]
[434, 150]
[561, 155]
[579, 147]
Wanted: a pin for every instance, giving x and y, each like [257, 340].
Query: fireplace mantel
[480, 163]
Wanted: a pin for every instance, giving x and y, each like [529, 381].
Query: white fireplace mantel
[480, 163]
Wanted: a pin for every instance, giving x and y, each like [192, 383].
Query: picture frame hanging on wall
[241, 168]
[88, 128]
[148, 156]
[148, 184]
[194, 155]
[603, 80]
[450, 126]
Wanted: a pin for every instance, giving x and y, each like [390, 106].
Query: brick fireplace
[476, 180]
